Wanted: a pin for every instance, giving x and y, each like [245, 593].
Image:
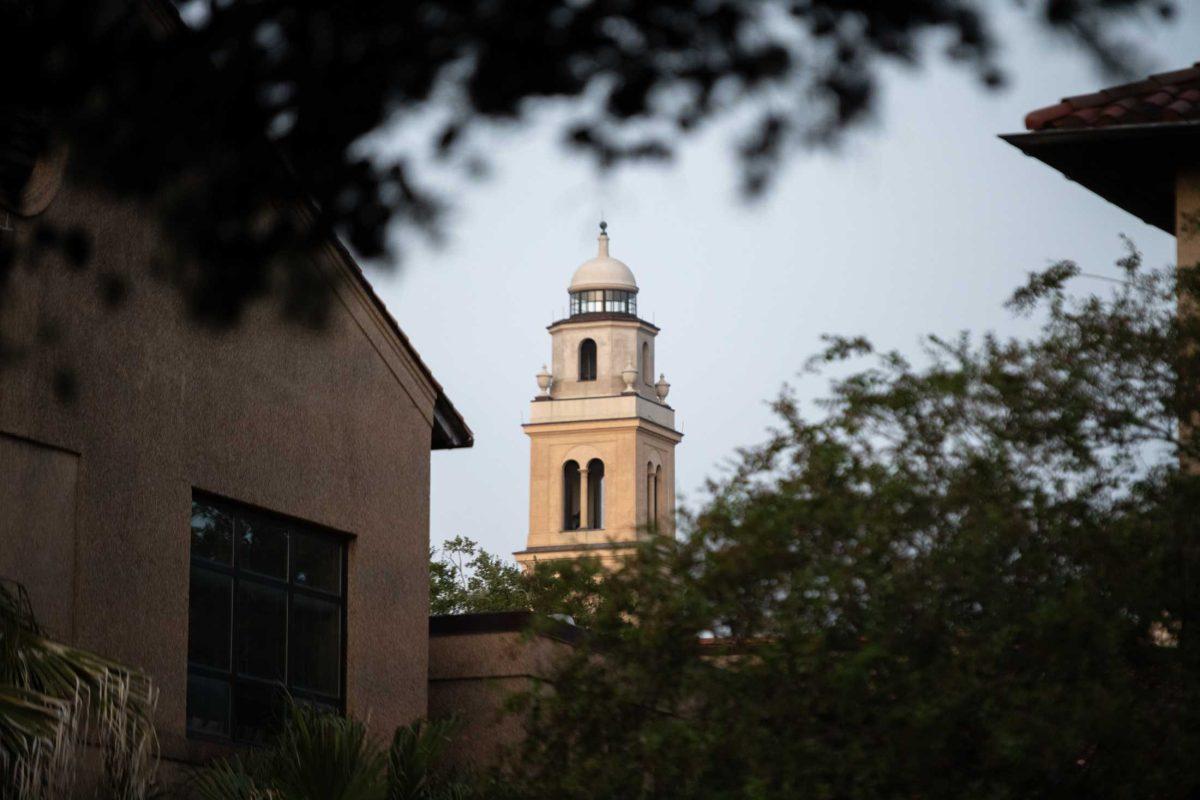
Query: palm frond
[324, 756]
[56, 697]
[227, 779]
[415, 771]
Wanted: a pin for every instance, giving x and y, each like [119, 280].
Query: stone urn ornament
[629, 375]
[544, 380]
[662, 387]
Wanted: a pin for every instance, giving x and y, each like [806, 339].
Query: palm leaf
[415, 771]
[56, 696]
[324, 756]
[227, 779]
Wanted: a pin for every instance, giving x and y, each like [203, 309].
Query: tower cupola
[603, 284]
[601, 435]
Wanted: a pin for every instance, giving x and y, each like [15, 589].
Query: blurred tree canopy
[223, 114]
[971, 576]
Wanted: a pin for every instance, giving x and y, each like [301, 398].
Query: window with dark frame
[266, 619]
[587, 360]
[571, 497]
[595, 301]
[595, 475]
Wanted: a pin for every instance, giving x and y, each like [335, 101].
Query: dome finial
[603, 239]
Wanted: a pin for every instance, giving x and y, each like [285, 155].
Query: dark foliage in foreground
[225, 117]
[318, 755]
[972, 577]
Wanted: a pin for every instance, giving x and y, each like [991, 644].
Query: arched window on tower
[595, 477]
[647, 367]
[570, 485]
[657, 495]
[587, 360]
[650, 494]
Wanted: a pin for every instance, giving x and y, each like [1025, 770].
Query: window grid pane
[265, 624]
[612, 301]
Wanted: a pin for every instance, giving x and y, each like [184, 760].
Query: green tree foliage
[465, 578]
[54, 699]
[971, 576]
[323, 756]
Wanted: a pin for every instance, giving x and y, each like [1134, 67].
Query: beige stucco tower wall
[600, 413]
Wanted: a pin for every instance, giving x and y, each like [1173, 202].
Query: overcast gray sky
[923, 222]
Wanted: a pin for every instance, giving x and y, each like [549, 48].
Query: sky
[923, 222]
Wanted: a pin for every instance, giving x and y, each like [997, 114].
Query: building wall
[477, 663]
[330, 426]
[1187, 217]
[626, 446]
[612, 442]
[618, 343]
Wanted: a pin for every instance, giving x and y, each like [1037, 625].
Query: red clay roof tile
[1163, 97]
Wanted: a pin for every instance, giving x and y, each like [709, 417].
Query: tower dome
[603, 284]
[603, 271]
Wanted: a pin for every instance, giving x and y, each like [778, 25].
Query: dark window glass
[571, 494]
[316, 563]
[261, 630]
[649, 494]
[212, 533]
[587, 360]
[262, 546]
[595, 477]
[208, 705]
[265, 621]
[257, 710]
[316, 634]
[657, 490]
[209, 608]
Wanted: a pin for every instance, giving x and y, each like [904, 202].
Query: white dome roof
[603, 272]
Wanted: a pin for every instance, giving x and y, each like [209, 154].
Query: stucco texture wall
[619, 343]
[330, 426]
[473, 674]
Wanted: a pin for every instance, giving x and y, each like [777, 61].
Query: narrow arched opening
[587, 360]
[649, 494]
[657, 495]
[595, 478]
[647, 367]
[570, 486]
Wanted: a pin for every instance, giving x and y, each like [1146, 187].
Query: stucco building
[237, 513]
[602, 438]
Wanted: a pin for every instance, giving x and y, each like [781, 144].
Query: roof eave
[450, 431]
[1131, 166]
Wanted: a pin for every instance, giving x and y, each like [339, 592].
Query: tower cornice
[602, 316]
[594, 425]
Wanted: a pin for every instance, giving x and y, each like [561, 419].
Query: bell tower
[601, 436]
